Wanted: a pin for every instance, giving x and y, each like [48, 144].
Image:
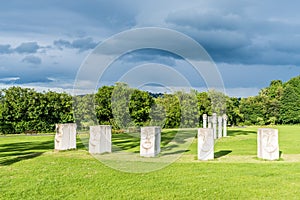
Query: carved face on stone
[206, 140]
[147, 141]
[269, 141]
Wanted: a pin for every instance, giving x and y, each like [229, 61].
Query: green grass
[30, 169]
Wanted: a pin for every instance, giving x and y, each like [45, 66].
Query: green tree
[103, 108]
[232, 111]
[253, 110]
[84, 111]
[5, 125]
[171, 105]
[204, 105]
[157, 113]
[272, 100]
[290, 109]
[25, 109]
[120, 105]
[15, 113]
[59, 107]
[218, 102]
[188, 108]
[140, 106]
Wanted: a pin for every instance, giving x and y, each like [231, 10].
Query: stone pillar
[72, 131]
[220, 119]
[214, 124]
[150, 141]
[205, 144]
[204, 120]
[209, 119]
[225, 125]
[100, 139]
[267, 144]
[65, 137]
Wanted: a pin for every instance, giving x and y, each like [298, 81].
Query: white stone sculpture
[225, 118]
[267, 144]
[150, 141]
[100, 139]
[65, 137]
[220, 120]
[204, 120]
[205, 144]
[209, 119]
[214, 124]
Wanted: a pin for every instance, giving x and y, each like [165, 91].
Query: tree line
[23, 109]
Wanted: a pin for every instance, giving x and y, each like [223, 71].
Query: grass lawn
[30, 169]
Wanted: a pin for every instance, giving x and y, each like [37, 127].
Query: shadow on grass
[79, 144]
[175, 152]
[222, 153]
[28, 155]
[17, 151]
[240, 132]
[127, 141]
[10, 148]
[169, 147]
[177, 136]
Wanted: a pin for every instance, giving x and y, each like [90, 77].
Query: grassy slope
[30, 169]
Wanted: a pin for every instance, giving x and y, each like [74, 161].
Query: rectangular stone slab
[100, 139]
[204, 120]
[220, 120]
[225, 118]
[65, 137]
[205, 144]
[267, 144]
[150, 141]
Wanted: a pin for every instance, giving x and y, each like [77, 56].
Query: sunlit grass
[30, 169]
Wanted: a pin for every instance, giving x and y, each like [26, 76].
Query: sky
[43, 44]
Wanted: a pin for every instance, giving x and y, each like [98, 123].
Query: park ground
[31, 169]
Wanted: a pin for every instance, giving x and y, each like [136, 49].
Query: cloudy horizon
[44, 43]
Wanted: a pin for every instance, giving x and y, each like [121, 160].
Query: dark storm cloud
[36, 79]
[81, 44]
[5, 49]
[237, 37]
[84, 44]
[231, 31]
[204, 21]
[23, 48]
[62, 43]
[241, 36]
[32, 60]
[27, 47]
[150, 56]
[66, 16]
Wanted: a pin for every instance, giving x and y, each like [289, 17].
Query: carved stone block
[150, 141]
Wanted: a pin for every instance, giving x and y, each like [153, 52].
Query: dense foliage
[290, 102]
[23, 109]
